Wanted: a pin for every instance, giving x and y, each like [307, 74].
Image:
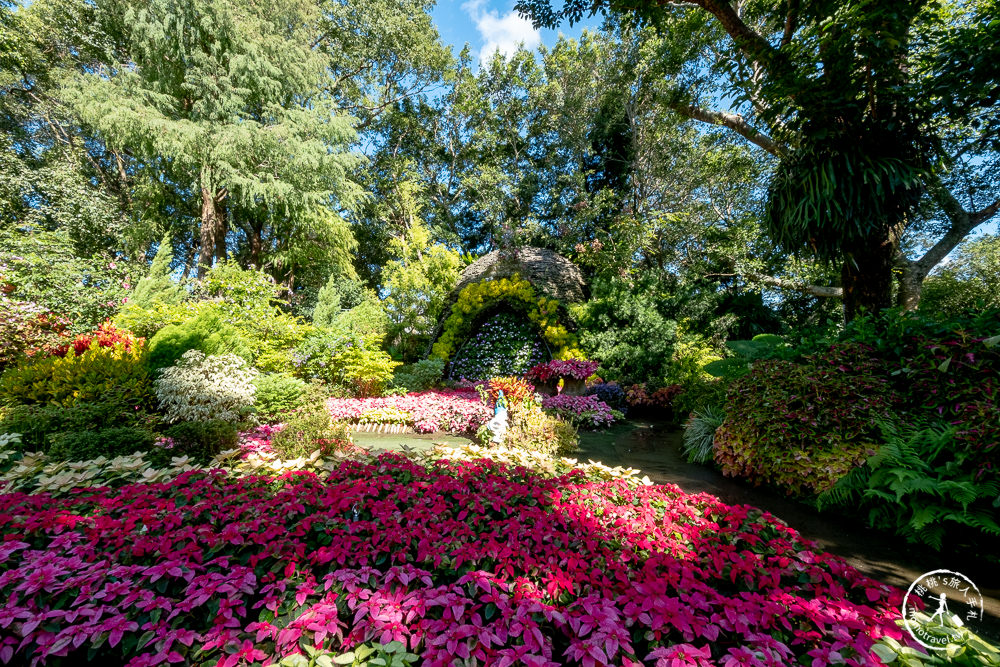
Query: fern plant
[918, 485]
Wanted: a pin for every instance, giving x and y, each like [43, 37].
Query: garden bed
[467, 559]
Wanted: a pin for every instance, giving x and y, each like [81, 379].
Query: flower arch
[518, 292]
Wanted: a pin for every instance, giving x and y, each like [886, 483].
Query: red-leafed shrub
[515, 390]
[469, 560]
[107, 335]
[801, 427]
[25, 328]
[641, 396]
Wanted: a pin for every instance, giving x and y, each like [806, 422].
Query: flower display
[468, 559]
[505, 345]
[107, 335]
[258, 440]
[575, 369]
[587, 411]
[516, 292]
[457, 411]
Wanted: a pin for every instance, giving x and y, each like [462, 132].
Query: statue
[498, 425]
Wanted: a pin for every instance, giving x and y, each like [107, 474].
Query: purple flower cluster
[586, 411]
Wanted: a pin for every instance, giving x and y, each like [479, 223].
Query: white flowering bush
[200, 388]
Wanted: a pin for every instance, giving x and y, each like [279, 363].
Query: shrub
[98, 374]
[611, 393]
[699, 394]
[309, 429]
[157, 286]
[699, 434]
[106, 335]
[921, 486]
[350, 360]
[203, 388]
[207, 332]
[947, 368]
[26, 327]
[38, 424]
[533, 430]
[763, 346]
[277, 393]
[419, 376]
[582, 411]
[575, 369]
[367, 372]
[201, 440]
[801, 427]
[108, 442]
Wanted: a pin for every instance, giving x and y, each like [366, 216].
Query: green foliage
[240, 293]
[99, 374]
[308, 429]
[942, 367]
[624, 328]
[39, 424]
[44, 268]
[204, 388]
[968, 282]
[207, 332]
[419, 376]
[353, 361]
[762, 346]
[109, 442]
[201, 440]
[699, 433]
[367, 372]
[963, 647]
[801, 427]
[416, 286]
[921, 485]
[250, 127]
[393, 654]
[276, 394]
[340, 293]
[157, 287]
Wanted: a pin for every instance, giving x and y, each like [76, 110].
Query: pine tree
[157, 286]
[226, 95]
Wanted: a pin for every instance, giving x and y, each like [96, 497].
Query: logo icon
[938, 601]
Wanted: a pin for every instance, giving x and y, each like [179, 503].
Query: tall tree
[225, 97]
[833, 90]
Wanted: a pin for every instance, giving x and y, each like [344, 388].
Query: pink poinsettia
[470, 560]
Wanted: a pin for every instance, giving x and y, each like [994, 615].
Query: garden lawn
[469, 559]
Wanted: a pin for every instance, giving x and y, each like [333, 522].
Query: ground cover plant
[585, 411]
[466, 559]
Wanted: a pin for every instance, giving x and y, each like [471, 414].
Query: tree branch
[734, 122]
[782, 283]
[751, 43]
[962, 224]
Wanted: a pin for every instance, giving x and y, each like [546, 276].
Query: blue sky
[492, 25]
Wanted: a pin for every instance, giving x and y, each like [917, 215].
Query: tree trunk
[222, 226]
[867, 277]
[209, 219]
[911, 284]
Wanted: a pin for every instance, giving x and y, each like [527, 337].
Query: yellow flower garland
[475, 298]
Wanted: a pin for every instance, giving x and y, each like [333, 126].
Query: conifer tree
[157, 286]
[226, 96]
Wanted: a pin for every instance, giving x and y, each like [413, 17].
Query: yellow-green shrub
[95, 375]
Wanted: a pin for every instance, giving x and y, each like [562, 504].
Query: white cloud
[500, 33]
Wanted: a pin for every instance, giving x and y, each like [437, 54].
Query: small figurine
[498, 425]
